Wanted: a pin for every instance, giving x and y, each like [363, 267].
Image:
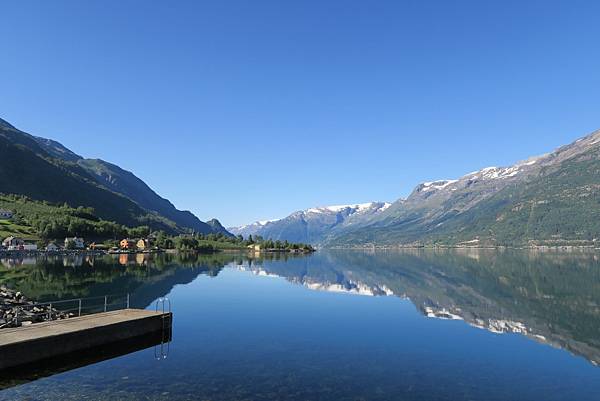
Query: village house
[5, 214]
[78, 243]
[13, 243]
[127, 243]
[143, 244]
[29, 247]
[52, 247]
[254, 247]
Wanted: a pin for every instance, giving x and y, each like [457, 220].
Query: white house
[6, 214]
[52, 247]
[30, 247]
[78, 242]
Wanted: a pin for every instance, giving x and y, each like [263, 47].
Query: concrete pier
[51, 340]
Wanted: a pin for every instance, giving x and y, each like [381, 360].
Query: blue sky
[247, 110]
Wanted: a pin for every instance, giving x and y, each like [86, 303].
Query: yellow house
[143, 244]
[254, 247]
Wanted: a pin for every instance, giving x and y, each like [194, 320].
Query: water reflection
[550, 297]
[145, 276]
[239, 335]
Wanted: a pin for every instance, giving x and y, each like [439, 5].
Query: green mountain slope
[126, 183]
[23, 172]
[560, 206]
[45, 170]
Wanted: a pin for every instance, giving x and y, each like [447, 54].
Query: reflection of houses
[16, 262]
[123, 259]
[127, 244]
[5, 214]
[76, 242]
[141, 259]
[143, 244]
[74, 260]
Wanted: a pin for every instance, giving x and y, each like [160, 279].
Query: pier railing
[63, 309]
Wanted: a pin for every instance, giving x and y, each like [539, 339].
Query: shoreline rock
[16, 310]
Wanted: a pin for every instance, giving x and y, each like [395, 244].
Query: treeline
[219, 241]
[277, 245]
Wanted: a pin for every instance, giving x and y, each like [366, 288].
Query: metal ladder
[162, 351]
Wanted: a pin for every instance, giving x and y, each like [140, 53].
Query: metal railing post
[79, 307]
[127, 300]
[50, 312]
[105, 302]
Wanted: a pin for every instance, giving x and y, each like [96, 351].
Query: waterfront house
[127, 244]
[143, 244]
[29, 247]
[13, 243]
[254, 247]
[52, 247]
[78, 243]
[5, 214]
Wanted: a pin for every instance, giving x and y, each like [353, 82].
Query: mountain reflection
[550, 297]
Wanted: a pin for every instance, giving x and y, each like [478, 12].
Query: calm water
[418, 325]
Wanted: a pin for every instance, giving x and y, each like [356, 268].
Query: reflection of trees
[53, 278]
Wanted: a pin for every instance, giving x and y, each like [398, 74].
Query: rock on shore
[16, 310]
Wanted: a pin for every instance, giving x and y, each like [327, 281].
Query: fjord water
[340, 325]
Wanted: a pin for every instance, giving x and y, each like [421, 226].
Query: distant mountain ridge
[547, 200]
[312, 225]
[44, 169]
[552, 199]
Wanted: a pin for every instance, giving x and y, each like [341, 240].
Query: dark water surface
[339, 325]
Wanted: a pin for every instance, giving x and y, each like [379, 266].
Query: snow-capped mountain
[314, 224]
[548, 199]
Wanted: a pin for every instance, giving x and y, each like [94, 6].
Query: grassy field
[8, 228]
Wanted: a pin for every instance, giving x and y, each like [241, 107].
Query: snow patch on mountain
[435, 185]
[358, 207]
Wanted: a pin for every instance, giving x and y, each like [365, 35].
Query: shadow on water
[45, 368]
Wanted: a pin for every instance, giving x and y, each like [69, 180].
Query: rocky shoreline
[16, 310]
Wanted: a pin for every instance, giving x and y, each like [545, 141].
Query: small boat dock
[49, 341]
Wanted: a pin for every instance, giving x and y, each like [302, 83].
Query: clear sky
[247, 110]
